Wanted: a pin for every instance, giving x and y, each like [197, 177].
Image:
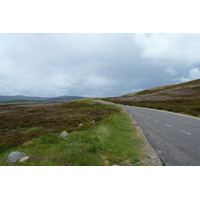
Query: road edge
[150, 157]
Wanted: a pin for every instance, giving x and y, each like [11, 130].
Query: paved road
[175, 137]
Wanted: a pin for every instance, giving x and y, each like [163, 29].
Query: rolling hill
[20, 98]
[182, 97]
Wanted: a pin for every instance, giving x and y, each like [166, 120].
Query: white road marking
[168, 125]
[185, 132]
[149, 117]
[156, 120]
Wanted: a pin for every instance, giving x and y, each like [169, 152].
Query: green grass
[107, 136]
[34, 130]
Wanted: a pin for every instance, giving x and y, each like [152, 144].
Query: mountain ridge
[4, 98]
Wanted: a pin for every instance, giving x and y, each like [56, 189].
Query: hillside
[183, 97]
[182, 90]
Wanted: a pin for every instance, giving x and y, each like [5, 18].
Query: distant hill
[21, 98]
[21, 101]
[182, 97]
[62, 98]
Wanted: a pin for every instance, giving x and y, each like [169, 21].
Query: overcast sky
[95, 65]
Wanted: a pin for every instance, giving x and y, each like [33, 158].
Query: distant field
[19, 102]
[107, 136]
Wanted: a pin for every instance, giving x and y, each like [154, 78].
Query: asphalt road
[175, 137]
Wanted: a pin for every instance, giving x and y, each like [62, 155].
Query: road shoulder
[149, 156]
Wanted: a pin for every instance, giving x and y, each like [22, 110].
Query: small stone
[14, 156]
[23, 159]
[64, 134]
[153, 157]
[80, 125]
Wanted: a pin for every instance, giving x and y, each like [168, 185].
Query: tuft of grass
[34, 130]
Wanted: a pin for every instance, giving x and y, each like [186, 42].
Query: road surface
[175, 137]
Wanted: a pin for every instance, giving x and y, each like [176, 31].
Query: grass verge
[107, 136]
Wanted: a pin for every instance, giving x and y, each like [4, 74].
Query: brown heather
[20, 123]
[181, 98]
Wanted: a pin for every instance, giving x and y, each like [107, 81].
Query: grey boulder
[23, 159]
[64, 134]
[14, 156]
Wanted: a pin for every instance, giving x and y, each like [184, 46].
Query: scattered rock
[153, 157]
[80, 125]
[14, 156]
[64, 134]
[23, 159]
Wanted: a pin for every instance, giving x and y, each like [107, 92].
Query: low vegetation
[107, 136]
[181, 98]
[186, 106]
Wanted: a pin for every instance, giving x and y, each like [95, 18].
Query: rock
[14, 156]
[23, 159]
[64, 134]
[153, 157]
[80, 125]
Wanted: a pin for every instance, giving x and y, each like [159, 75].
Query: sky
[95, 64]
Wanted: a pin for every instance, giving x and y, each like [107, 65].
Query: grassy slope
[184, 98]
[106, 138]
[189, 84]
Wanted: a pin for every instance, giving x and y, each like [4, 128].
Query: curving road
[175, 137]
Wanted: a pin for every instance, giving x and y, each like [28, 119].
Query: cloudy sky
[95, 65]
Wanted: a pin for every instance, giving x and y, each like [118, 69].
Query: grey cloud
[176, 49]
[82, 64]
